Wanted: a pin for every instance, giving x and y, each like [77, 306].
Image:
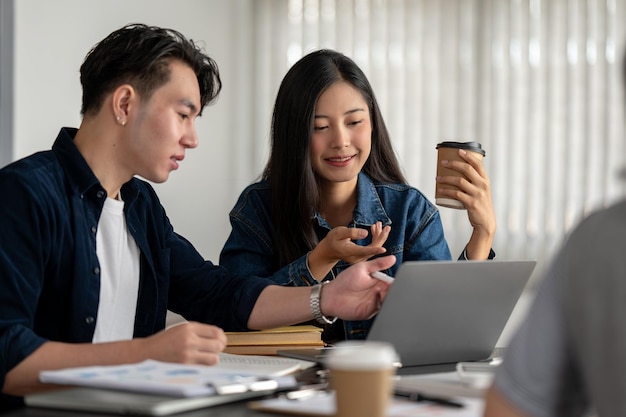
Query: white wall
[51, 40]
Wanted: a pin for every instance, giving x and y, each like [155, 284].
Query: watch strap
[316, 304]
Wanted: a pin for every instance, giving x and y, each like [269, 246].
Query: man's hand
[354, 294]
[193, 343]
[188, 342]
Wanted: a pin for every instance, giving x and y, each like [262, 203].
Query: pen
[414, 396]
[382, 276]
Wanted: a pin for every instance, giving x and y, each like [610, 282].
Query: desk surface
[238, 409]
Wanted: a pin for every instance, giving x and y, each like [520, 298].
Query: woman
[333, 193]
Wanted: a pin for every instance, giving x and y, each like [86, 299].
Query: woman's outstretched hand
[339, 245]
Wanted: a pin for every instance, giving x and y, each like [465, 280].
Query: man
[89, 263]
[568, 358]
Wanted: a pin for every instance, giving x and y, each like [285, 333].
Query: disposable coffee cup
[361, 374]
[450, 151]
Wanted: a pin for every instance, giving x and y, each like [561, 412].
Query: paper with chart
[173, 379]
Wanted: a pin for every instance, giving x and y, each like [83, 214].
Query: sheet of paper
[445, 384]
[167, 378]
[266, 365]
[323, 404]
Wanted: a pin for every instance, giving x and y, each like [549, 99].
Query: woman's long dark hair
[294, 188]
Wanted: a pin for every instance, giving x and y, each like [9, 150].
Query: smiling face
[163, 126]
[342, 134]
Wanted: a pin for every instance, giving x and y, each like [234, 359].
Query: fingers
[342, 233]
[355, 253]
[378, 264]
[355, 294]
[340, 243]
[211, 333]
[189, 342]
[473, 187]
[473, 190]
[471, 167]
[379, 234]
[381, 286]
[347, 233]
[474, 160]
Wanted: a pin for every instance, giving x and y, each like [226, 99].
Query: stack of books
[268, 342]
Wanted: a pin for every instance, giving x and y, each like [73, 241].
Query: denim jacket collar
[369, 209]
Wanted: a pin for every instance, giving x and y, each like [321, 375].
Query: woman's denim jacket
[416, 234]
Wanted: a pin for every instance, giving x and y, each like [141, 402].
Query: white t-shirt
[118, 255]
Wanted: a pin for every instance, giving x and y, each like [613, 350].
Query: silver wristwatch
[315, 302]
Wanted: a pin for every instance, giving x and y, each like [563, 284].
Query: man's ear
[121, 101]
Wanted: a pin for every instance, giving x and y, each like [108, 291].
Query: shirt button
[96, 270]
[93, 229]
[89, 320]
[100, 194]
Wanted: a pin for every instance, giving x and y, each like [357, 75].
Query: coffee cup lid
[470, 146]
[362, 355]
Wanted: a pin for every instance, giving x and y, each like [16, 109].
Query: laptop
[442, 312]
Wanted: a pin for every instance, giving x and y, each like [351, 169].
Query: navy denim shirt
[49, 271]
[416, 234]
